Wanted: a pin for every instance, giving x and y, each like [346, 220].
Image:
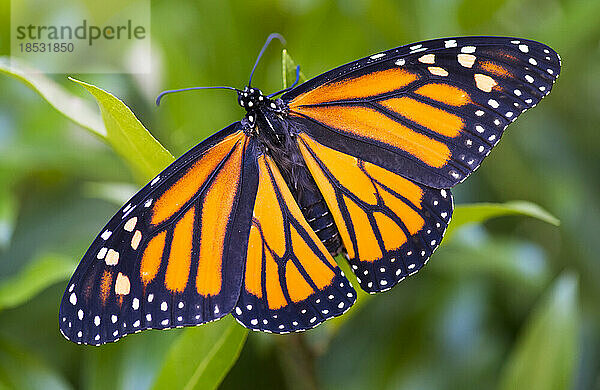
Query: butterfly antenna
[291, 86]
[160, 96]
[268, 41]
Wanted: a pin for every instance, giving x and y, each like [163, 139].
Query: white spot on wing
[101, 253]
[135, 240]
[466, 60]
[450, 43]
[484, 82]
[130, 224]
[436, 70]
[122, 284]
[427, 59]
[112, 257]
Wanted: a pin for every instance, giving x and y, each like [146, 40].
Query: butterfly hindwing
[173, 255]
[291, 282]
[389, 225]
[430, 111]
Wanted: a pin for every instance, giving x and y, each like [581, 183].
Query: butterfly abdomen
[307, 195]
[321, 221]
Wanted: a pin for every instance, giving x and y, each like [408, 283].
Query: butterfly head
[251, 98]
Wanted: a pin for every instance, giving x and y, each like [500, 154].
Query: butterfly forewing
[430, 111]
[173, 255]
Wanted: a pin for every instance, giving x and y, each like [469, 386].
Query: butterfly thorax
[265, 121]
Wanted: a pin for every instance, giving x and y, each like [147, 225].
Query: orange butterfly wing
[430, 112]
[389, 225]
[173, 255]
[291, 282]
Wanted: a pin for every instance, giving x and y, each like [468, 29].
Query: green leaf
[546, 352]
[202, 356]
[128, 136]
[288, 68]
[39, 274]
[73, 107]
[480, 212]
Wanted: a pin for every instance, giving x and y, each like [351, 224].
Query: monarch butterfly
[358, 160]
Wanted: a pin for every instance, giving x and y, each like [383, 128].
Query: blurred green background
[512, 302]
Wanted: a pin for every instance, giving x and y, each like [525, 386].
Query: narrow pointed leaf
[128, 136]
[480, 212]
[73, 107]
[288, 68]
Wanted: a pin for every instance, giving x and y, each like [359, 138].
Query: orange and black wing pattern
[173, 256]
[430, 111]
[360, 159]
[291, 282]
[389, 225]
